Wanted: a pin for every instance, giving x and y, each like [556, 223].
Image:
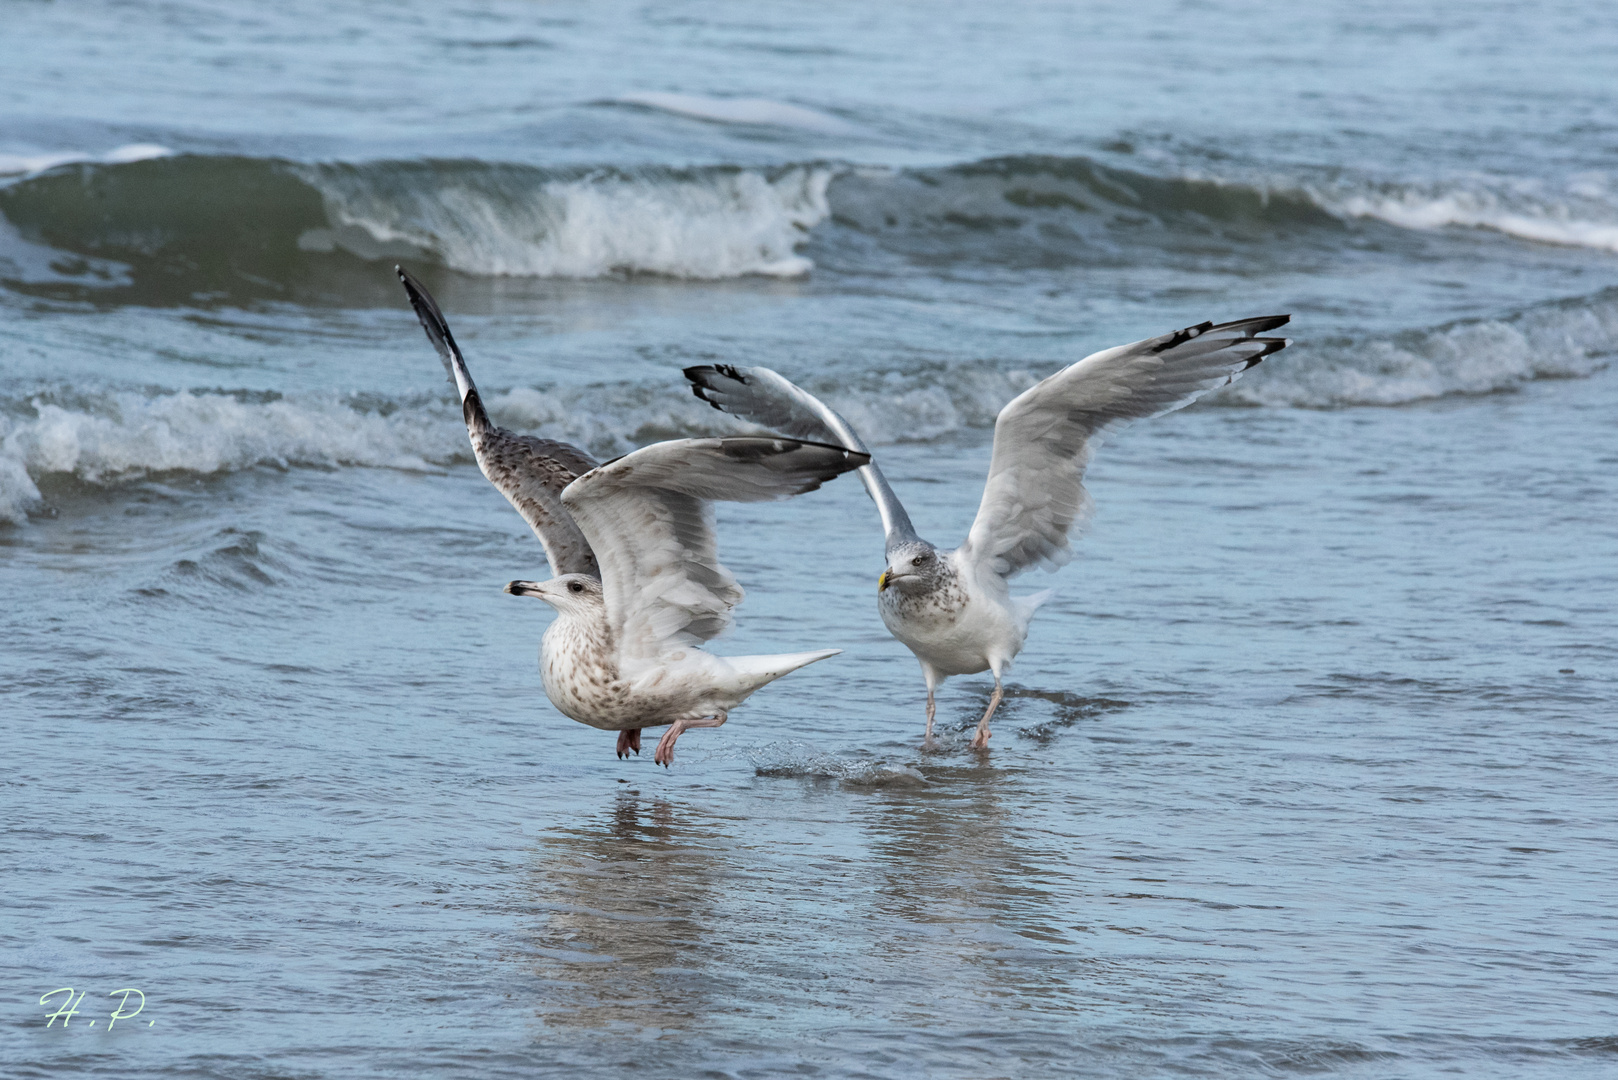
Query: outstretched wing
[530, 472]
[769, 399]
[649, 518]
[1044, 438]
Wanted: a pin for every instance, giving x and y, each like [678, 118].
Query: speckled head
[916, 567]
[568, 593]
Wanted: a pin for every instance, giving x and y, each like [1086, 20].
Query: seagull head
[568, 593]
[912, 568]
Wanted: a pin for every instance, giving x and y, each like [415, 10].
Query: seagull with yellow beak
[954, 608]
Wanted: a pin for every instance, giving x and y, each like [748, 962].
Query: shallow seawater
[1310, 767]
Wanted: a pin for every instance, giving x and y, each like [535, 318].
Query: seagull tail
[753, 672]
[1027, 605]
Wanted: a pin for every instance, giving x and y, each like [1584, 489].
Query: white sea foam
[740, 110]
[18, 492]
[128, 435]
[1562, 340]
[1583, 213]
[122, 436]
[703, 225]
[125, 435]
[27, 164]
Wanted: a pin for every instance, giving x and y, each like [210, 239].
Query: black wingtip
[1261, 324]
[419, 296]
[700, 388]
[1271, 345]
[702, 373]
[431, 318]
[701, 376]
[1180, 337]
[1250, 328]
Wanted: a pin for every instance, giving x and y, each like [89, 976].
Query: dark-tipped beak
[882, 582]
[522, 588]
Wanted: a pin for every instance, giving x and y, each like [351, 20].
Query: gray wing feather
[768, 399]
[530, 472]
[1045, 437]
[649, 518]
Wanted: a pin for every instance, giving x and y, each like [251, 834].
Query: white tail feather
[753, 672]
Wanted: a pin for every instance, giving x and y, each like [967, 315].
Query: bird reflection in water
[979, 911]
[622, 902]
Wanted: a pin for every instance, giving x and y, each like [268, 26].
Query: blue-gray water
[1310, 769]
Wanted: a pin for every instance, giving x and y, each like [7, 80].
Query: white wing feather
[1044, 439]
[648, 517]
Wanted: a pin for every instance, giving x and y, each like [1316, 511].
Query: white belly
[602, 695]
[954, 638]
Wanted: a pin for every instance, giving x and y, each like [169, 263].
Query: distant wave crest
[16, 164]
[1584, 215]
[179, 229]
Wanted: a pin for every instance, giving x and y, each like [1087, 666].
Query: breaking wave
[126, 435]
[1564, 339]
[520, 221]
[1585, 214]
[148, 227]
[116, 436]
[188, 228]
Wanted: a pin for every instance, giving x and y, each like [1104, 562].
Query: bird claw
[980, 741]
[628, 740]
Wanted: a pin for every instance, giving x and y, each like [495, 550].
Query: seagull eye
[918, 560]
[574, 586]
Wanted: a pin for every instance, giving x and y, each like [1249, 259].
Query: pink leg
[932, 702]
[627, 741]
[665, 745]
[980, 741]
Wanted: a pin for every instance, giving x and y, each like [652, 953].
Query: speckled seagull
[638, 584]
[954, 609]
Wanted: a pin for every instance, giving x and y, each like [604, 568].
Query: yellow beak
[882, 582]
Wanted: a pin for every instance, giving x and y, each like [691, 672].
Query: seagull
[954, 609]
[638, 585]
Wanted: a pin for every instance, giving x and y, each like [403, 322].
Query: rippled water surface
[1309, 769]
